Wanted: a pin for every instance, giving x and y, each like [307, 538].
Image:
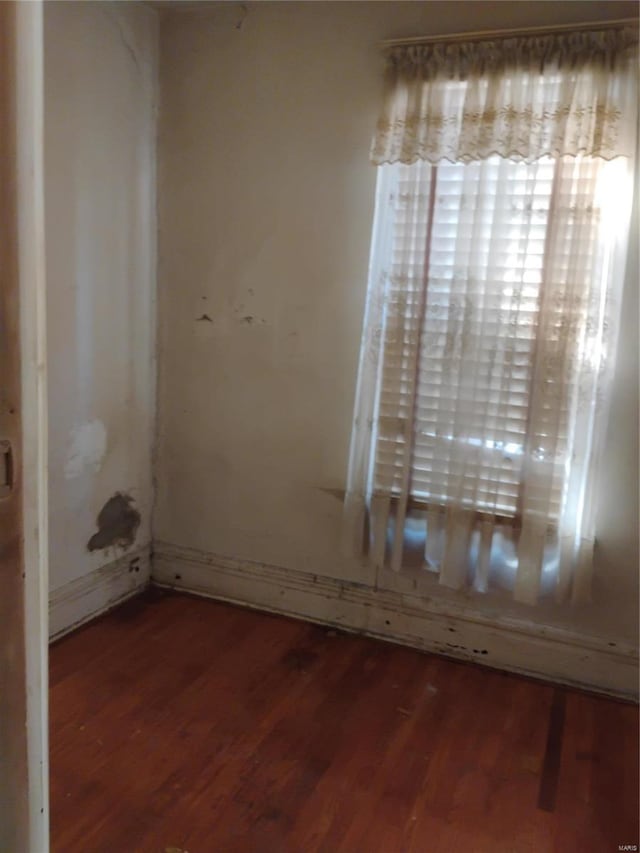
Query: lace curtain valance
[520, 98]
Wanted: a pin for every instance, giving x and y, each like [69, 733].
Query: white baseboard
[503, 643]
[80, 600]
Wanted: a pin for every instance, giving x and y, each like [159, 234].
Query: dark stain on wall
[117, 522]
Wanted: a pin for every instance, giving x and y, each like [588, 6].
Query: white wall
[265, 202]
[100, 102]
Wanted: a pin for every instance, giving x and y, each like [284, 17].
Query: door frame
[33, 325]
[23, 420]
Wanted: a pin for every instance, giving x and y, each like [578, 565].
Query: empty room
[319, 427]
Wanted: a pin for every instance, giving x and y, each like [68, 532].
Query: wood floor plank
[376, 719]
[597, 798]
[184, 723]
[552, 756]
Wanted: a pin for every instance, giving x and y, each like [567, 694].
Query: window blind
[465, 296]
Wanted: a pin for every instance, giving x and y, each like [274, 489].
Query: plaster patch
[87, 449]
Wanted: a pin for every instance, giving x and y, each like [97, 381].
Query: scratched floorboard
[189, 724]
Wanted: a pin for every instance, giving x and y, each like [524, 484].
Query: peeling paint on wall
[87, 449]
[117, 522]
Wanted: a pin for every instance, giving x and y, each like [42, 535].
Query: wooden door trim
[23, 508]
[14, 803]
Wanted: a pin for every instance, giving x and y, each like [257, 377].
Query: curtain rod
[503, 34]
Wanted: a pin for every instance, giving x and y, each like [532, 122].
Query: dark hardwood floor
[188, 725]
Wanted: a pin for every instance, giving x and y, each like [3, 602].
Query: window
[494, 283]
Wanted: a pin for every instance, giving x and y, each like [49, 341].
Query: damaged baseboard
[80, 600]
[553, 654]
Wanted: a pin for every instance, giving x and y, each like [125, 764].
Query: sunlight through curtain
[498, 252]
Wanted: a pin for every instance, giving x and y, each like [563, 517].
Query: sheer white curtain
[496, 267]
